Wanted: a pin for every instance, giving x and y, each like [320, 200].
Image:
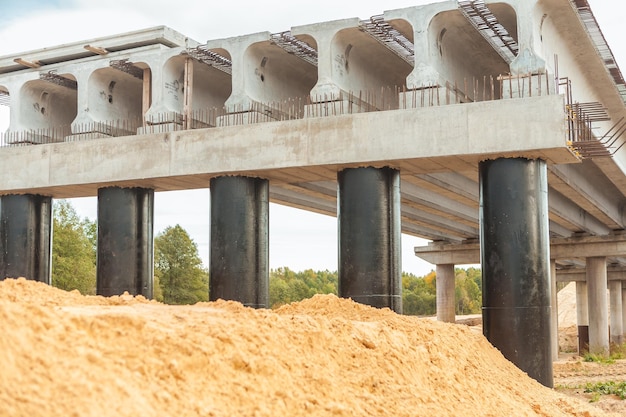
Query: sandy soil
[68, 355]
[571, 374]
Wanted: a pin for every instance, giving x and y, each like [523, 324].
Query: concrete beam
[445, 253]
[340, 141]
[439, 202]
[579, 274]
[572, 213]
[588, 246]
[595, 194]
[560, 248]
[68, 52]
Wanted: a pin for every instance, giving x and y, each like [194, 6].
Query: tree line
[181, 278]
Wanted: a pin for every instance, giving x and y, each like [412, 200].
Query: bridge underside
[436, 150]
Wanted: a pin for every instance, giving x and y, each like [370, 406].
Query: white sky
[298, 239]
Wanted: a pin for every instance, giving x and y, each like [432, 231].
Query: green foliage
[287, 286]
[598, 358]
[606, 388]
[468, 291]
[419, 294]
[616, 352]
[179, 275]
[73, 250]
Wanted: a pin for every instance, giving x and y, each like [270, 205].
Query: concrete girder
[159, 35]
[427, 198]
[323, 194]
[447, 229]
[263, 73]
[43, 107]
[587, 187]
[570, 263]
[413, 23]
[462, 188]
[572, 213]
[457, 184]
[208, 88]
[454, 44]
[352, 62]
[298, 199]
[418, 229]
[556, 230]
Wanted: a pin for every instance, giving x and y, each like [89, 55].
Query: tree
[73, 250]
[419, 294]
[178, 268]
[287, 286]
[467, 293]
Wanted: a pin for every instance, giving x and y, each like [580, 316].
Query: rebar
[210, 58]
[389, 37]
[53, 77]
[602, 47]
[128, 67]
[483, 20]
[295, 46]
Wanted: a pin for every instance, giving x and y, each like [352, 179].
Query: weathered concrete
[554, 321]
[598, 306]
[446, 297]
[582, 317]
[624, 309]
[616, 326]
[163, 161]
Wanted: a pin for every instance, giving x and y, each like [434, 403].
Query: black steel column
[515, 262]
[125, 241]
[239, 254]
[25, 237]
[369, 237]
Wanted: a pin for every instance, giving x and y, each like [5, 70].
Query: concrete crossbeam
[339, 141]
[560, 248]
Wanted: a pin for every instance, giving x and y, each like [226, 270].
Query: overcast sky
[298, 239]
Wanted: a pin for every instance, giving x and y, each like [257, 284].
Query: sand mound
[68, 355]
[568, 328]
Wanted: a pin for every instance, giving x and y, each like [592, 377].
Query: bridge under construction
[494, 129]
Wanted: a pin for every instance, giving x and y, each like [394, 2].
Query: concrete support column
[582, 317]
[624, 311]
[446, 297]
[598, 306]
[617, 325]
[25, 237]
[554, 322]
[239, 256]
[369, 237]
[516, 263]
[125, 241]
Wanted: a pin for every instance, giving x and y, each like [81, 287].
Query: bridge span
[493, 129]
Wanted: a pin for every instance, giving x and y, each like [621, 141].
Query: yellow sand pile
[63, 354]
